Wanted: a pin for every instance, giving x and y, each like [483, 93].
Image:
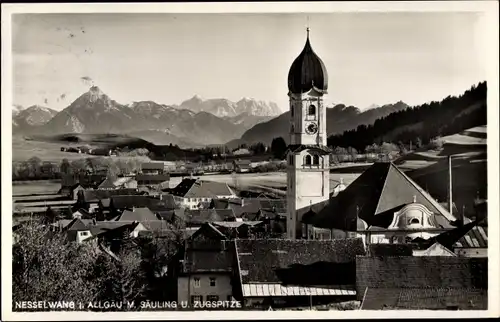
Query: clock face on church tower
[312, 128]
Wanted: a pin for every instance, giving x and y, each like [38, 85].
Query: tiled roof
[298, 262]
[193, 188]
[137, 214]
[201, 216]
[129, 202]
[199, 261]
[264, 290]
[389, 250]
[425, 299]
[375, 195]
[242, 206]
[96, 195]
[470, 235]
[104, 226]
[76, 225]
[421, 272]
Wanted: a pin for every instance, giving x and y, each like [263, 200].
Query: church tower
[308, 156]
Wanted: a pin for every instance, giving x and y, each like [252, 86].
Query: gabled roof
[434, 298]
[300, 262]
[421, 272]
[96, 195]
[193, 188]
[76, 225]
[374, 196]
[137, 214]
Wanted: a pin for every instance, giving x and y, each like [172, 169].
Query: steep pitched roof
[374, 196]
[77, 225]
[421, 272]
[137, 214]
[192, 188]
[435, 298]
[300, 262]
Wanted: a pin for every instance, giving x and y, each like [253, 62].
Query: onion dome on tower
[307, 72]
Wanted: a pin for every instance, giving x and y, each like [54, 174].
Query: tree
[65, 166]
[278, 147]
[45, 267]
[258, 148]
[34, 166]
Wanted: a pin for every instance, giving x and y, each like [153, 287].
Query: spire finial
[307, 29]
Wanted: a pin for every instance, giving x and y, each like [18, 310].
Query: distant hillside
[339, 119]
[424, 122]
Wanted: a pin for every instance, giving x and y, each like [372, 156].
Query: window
[312, 110]
[196, 298]
[414, 221]
[212, 281]
[292, 129]
[196, 282]
[290, 160]
[316, 160]
[291, 110]
[212, 298]
[85, 233]
[307, 160]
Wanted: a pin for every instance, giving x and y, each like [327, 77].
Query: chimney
[341, 180]
[242, 202]
[161, 196]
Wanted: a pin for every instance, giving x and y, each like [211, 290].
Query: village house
[77, 231]
[89, 199]
[71, 184]
[156, 182]
[205, 272]
[190, 192]
[241, 166]
[118, 183]
[153, 168]
[282, 273]
[416, 283]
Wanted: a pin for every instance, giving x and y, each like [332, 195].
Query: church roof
[307, 72]
[374, 196]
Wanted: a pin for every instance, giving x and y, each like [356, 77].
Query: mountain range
[339, 118]
[214, 121]
[24, 120]
[194, 123]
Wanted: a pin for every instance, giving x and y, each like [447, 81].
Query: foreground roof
[193, 188]
[434, 298]
[298, 262]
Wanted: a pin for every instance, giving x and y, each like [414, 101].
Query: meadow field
[20, 189]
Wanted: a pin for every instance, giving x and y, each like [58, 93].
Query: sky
[371, 58]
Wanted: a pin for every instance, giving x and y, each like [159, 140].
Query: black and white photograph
[231, 158]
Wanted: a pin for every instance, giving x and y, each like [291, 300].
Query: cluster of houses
[381, 241]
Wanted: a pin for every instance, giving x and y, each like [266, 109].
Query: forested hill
[421, 123]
